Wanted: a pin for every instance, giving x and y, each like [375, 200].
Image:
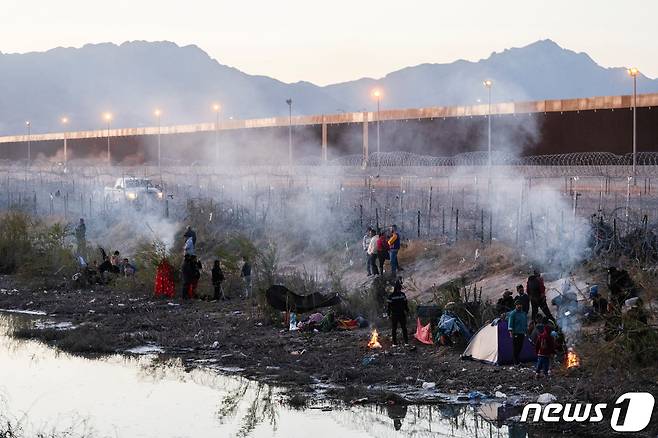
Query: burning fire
[374, 340]
[573, 360]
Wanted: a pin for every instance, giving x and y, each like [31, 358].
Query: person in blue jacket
[517, 324]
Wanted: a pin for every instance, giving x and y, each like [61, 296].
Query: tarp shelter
[493, 344]
[283, 299]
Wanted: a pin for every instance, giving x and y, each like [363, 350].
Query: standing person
[81, 236]
[116, 260]
[187, 271]
[188, 248]
[506, 303]
[372, 253]
[394, 244]
[190, 233]
[196, 275]
[398, 309]
[517, 324]
[382, 250]
[537, 293]
[217, 278]
[164, 280]
[545, 348]
[245, 273]
[523, 297]
[365, 242]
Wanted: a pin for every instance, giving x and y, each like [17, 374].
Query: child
[217, 278]
[545, 348]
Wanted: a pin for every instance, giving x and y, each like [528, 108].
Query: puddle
[24, 312]
[146, 349]
[44, 390]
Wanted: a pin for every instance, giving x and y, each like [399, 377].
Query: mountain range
[133, 78]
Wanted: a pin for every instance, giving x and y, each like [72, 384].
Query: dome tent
[493, 344]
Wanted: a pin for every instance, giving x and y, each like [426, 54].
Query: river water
[43, 390]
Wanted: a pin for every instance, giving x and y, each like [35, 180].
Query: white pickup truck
[134, 189]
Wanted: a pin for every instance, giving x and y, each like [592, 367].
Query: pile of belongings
[283, 299]
[449, 325]
[328, 322]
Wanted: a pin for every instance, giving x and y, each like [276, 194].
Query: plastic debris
[546, 398]
[429, 385]
[473, 395]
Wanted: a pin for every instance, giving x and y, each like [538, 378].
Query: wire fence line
[393, 163]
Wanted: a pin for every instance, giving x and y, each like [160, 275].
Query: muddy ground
[232, 336]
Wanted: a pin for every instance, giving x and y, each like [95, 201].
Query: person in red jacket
[537, 292]
[545, 348]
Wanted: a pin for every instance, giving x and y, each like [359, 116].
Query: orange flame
[573, 360]
[374, 340]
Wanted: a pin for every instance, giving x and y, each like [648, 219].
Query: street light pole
[488, 83]
[634, 72]
[65, 121]
[378, 95]
[108, 119]
[216, 108]
[289, 102]
[157, 114]
[28, 126]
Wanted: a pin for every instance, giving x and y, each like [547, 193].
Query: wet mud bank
[234, 337]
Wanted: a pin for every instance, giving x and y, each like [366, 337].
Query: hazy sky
[338, 40]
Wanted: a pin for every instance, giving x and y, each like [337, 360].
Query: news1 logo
[630, 413]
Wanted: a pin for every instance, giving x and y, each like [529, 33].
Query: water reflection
[43, 390]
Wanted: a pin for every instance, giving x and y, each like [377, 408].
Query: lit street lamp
[289, 102]
[108, 119]
[65, 121]
[633, 72]
[488, 83]
[158, 113]
[28, 126]
[377, 94]
[216, 108]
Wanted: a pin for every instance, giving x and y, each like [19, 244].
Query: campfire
[572, 361]
[374, 340]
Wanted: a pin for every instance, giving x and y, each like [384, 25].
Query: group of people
[192, 268]
[379, 247]
[542, 329]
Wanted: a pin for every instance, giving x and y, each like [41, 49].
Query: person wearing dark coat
[621, 286]
[188, 271]
[523, 298]
[537, 294]
[398, 309]
[217, 278]
[506, 303]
